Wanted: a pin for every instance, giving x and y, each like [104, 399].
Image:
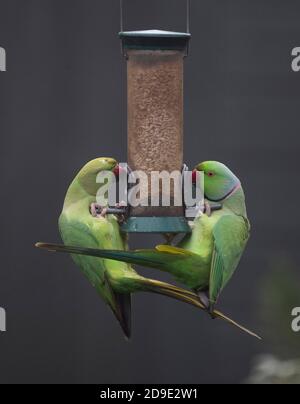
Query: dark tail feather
[130, 257]
[150, 285]
[121, 308]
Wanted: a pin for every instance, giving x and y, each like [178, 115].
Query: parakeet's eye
[210, 174]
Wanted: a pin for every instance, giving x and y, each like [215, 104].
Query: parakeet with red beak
[204, 261]
[219, 238]
[86, 224]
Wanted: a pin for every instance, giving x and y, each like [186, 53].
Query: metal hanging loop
[188, 15]
[121, 16]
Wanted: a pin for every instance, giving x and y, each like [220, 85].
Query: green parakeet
[80, 224]
[220, 238]
[204, 261]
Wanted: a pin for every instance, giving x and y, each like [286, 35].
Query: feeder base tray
[173, 225]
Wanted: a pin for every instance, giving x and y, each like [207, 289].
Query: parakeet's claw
[121, 204]
[123, 211]
[207, 208]
[98, 210]
[204, 208]
[120, 210]
[94, 209]
[103, 213]
[191, 224]
[169, 237]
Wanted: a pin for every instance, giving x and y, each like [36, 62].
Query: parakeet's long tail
[149, 284]
[121, 307]
[190, 298]
[149, 258]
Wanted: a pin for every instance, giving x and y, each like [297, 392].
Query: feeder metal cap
[155, 40]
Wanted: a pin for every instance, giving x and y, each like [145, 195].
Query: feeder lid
[156, 33]
[155, 40]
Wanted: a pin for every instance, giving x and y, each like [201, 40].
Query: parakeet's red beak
[118, 170]
[194, 176]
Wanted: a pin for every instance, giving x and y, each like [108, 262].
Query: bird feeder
[155, 119]
[155, 68]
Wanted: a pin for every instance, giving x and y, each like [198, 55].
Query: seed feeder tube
[155, 120]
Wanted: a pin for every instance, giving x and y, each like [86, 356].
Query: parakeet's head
[219, 181]
[87, 176]
[97, 165]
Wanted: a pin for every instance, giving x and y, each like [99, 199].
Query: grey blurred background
[62, 103]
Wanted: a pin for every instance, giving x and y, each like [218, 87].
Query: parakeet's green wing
[75, 232]
[230, 234]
